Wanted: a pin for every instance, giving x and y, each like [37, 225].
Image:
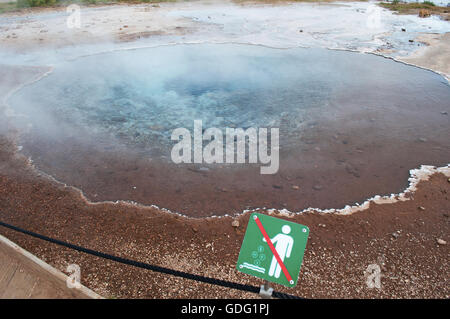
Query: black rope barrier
[177, 273]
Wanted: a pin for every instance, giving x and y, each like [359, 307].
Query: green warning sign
[273, 249]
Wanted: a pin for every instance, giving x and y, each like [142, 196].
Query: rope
[182, 274]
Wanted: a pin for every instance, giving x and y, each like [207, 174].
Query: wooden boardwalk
[24, 276]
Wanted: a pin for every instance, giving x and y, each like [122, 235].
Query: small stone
[444, 113]
[395, 235]
[300, 30]
[317, 187]
[194, 229]
[441, 241]
[421, 208]
[422, 139]
[403, 29]
[235, 223]
[295, 187]
[277, 186]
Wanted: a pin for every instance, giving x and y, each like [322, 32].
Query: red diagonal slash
[274, 251]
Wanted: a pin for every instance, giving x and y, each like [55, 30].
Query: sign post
[273, 249]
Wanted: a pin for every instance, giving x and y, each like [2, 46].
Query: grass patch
[408, 8]
[22, 4]
[8, 7]
[52, 3]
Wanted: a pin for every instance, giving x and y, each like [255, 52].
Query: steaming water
[142, 96]
[344, 117]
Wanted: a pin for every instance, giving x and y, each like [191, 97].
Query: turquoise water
[141, 96]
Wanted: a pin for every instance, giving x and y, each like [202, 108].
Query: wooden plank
[22, 275]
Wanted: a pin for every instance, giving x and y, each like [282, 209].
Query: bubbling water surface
[350, 123]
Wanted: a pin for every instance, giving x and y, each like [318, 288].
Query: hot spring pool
[351, 125]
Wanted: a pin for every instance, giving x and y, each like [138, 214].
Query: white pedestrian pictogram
[283, 245]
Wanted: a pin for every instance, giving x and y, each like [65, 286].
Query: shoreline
[345, 203]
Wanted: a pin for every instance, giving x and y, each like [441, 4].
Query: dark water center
[351, 125]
